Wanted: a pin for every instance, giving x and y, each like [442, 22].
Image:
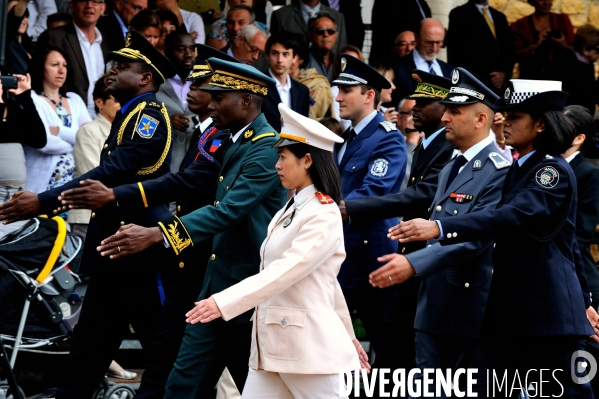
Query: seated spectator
[249, 45]
[321, 98]
[389, 113]
[170, 23]
[62, 113]
[429, 40]
[333, 125]
[115, 25]
[148, 24]
[281, 49]
[295, 18]
[262, 9]
[39, 10]
[192, 21]
[540, 39]
[225, 31]
[404, 43]
[18, 44]
[581, 69]
[89, 145]
[19, 124]
[322, 33]
[59, 19]
[354, 52]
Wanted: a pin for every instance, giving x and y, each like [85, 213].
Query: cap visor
[210, 87]
[284, 143]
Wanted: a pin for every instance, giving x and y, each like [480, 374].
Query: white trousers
[262, 384]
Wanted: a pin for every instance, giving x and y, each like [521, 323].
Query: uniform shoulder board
[388, 126]
[154, 104]
[323, 198]
[262, 136]
[499, 161]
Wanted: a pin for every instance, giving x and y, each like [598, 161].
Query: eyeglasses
[136, 7]
[329, 31]
[253, 50]
[430, 43]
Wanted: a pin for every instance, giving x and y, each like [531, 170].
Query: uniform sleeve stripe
[168, 237]
[143, 194]
[262, 136]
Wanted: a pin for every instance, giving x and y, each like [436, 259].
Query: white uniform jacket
[301, 323]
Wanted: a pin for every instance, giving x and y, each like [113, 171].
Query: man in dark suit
[429, 40]
[294, 18]
[371, 162]
[137, 149]
[281, 48]
[396, 346]
[488, 54]
[192, 187]
[83, 70]
[352, 11]
[455, 278]
[115, 25]
[389, 19]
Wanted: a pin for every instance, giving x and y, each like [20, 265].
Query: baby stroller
[41, 295]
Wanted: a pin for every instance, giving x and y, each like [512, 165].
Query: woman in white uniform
[302, 334]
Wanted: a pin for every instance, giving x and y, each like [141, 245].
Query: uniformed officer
[372, 162]
[396, 346]
[248, 194]
[124, 291]
[535, 317]
[192, 187]
[455, 279]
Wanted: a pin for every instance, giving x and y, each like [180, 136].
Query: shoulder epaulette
[155, 105]
[262, 136]
[499, 161]
[388, 126]
[324, 198]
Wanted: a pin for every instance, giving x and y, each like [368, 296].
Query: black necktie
[289, 204]
[515, 168]
[455, 169]
[349, 136]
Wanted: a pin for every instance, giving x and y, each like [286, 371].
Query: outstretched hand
[205, 311]
[129, 240]
[91, 195]
[22, 206]
[397, 270]
[414, 230]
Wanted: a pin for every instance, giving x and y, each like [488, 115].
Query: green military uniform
[248, 195]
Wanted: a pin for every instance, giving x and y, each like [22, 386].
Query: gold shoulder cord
[152, 169]
[137, 109]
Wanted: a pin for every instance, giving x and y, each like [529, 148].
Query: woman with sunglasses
[302, 334]
[539, 306]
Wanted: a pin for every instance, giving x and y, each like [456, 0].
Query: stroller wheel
[5, 392]
[120, 391]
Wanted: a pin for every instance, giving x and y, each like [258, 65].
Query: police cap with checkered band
[466, 89]
[532, 95]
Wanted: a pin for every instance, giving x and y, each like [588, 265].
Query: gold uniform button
[93, 215]
[413, 178]
[105, 146]
[438, 208]
[181, 265]
[54, 212]
[466, 285]
[213, 257]
[108, 152]
[122, 223]
[220, 178]
[64, 208]
[403, 250]
[178, 208]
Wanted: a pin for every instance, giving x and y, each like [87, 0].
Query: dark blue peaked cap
[355, 72]
[466, 89]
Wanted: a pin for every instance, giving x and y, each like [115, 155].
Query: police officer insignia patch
[379, 167]
[455, 76]
[477, 165]
[499, 161]
[248, 133]
[343, 64]
[547, 177]
[388, 126]
[147, 126]
[507, 94]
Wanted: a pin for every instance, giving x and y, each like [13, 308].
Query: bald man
[429, 40]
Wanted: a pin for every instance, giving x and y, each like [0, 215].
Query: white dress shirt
[284, 91]
[94, 64]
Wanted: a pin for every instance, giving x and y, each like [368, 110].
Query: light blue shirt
[122, 24]
[430, 138]
[306, 10]
[525, 158]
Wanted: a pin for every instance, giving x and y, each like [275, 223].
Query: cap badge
[248, 134]
[343, 64]
[507, 94]
[128, 40]
[459, 99]
[455, 76]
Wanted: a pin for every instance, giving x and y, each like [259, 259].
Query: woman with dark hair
[539, 304]
[147, 22]
[62, 113]
[302, 333]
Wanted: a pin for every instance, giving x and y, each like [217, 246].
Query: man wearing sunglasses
[249, 44]
[322, 32]
[114, 26]
[85, 51]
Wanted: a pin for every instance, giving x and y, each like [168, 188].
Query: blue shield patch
[147, 126]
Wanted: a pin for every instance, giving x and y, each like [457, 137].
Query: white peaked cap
[296, 128]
